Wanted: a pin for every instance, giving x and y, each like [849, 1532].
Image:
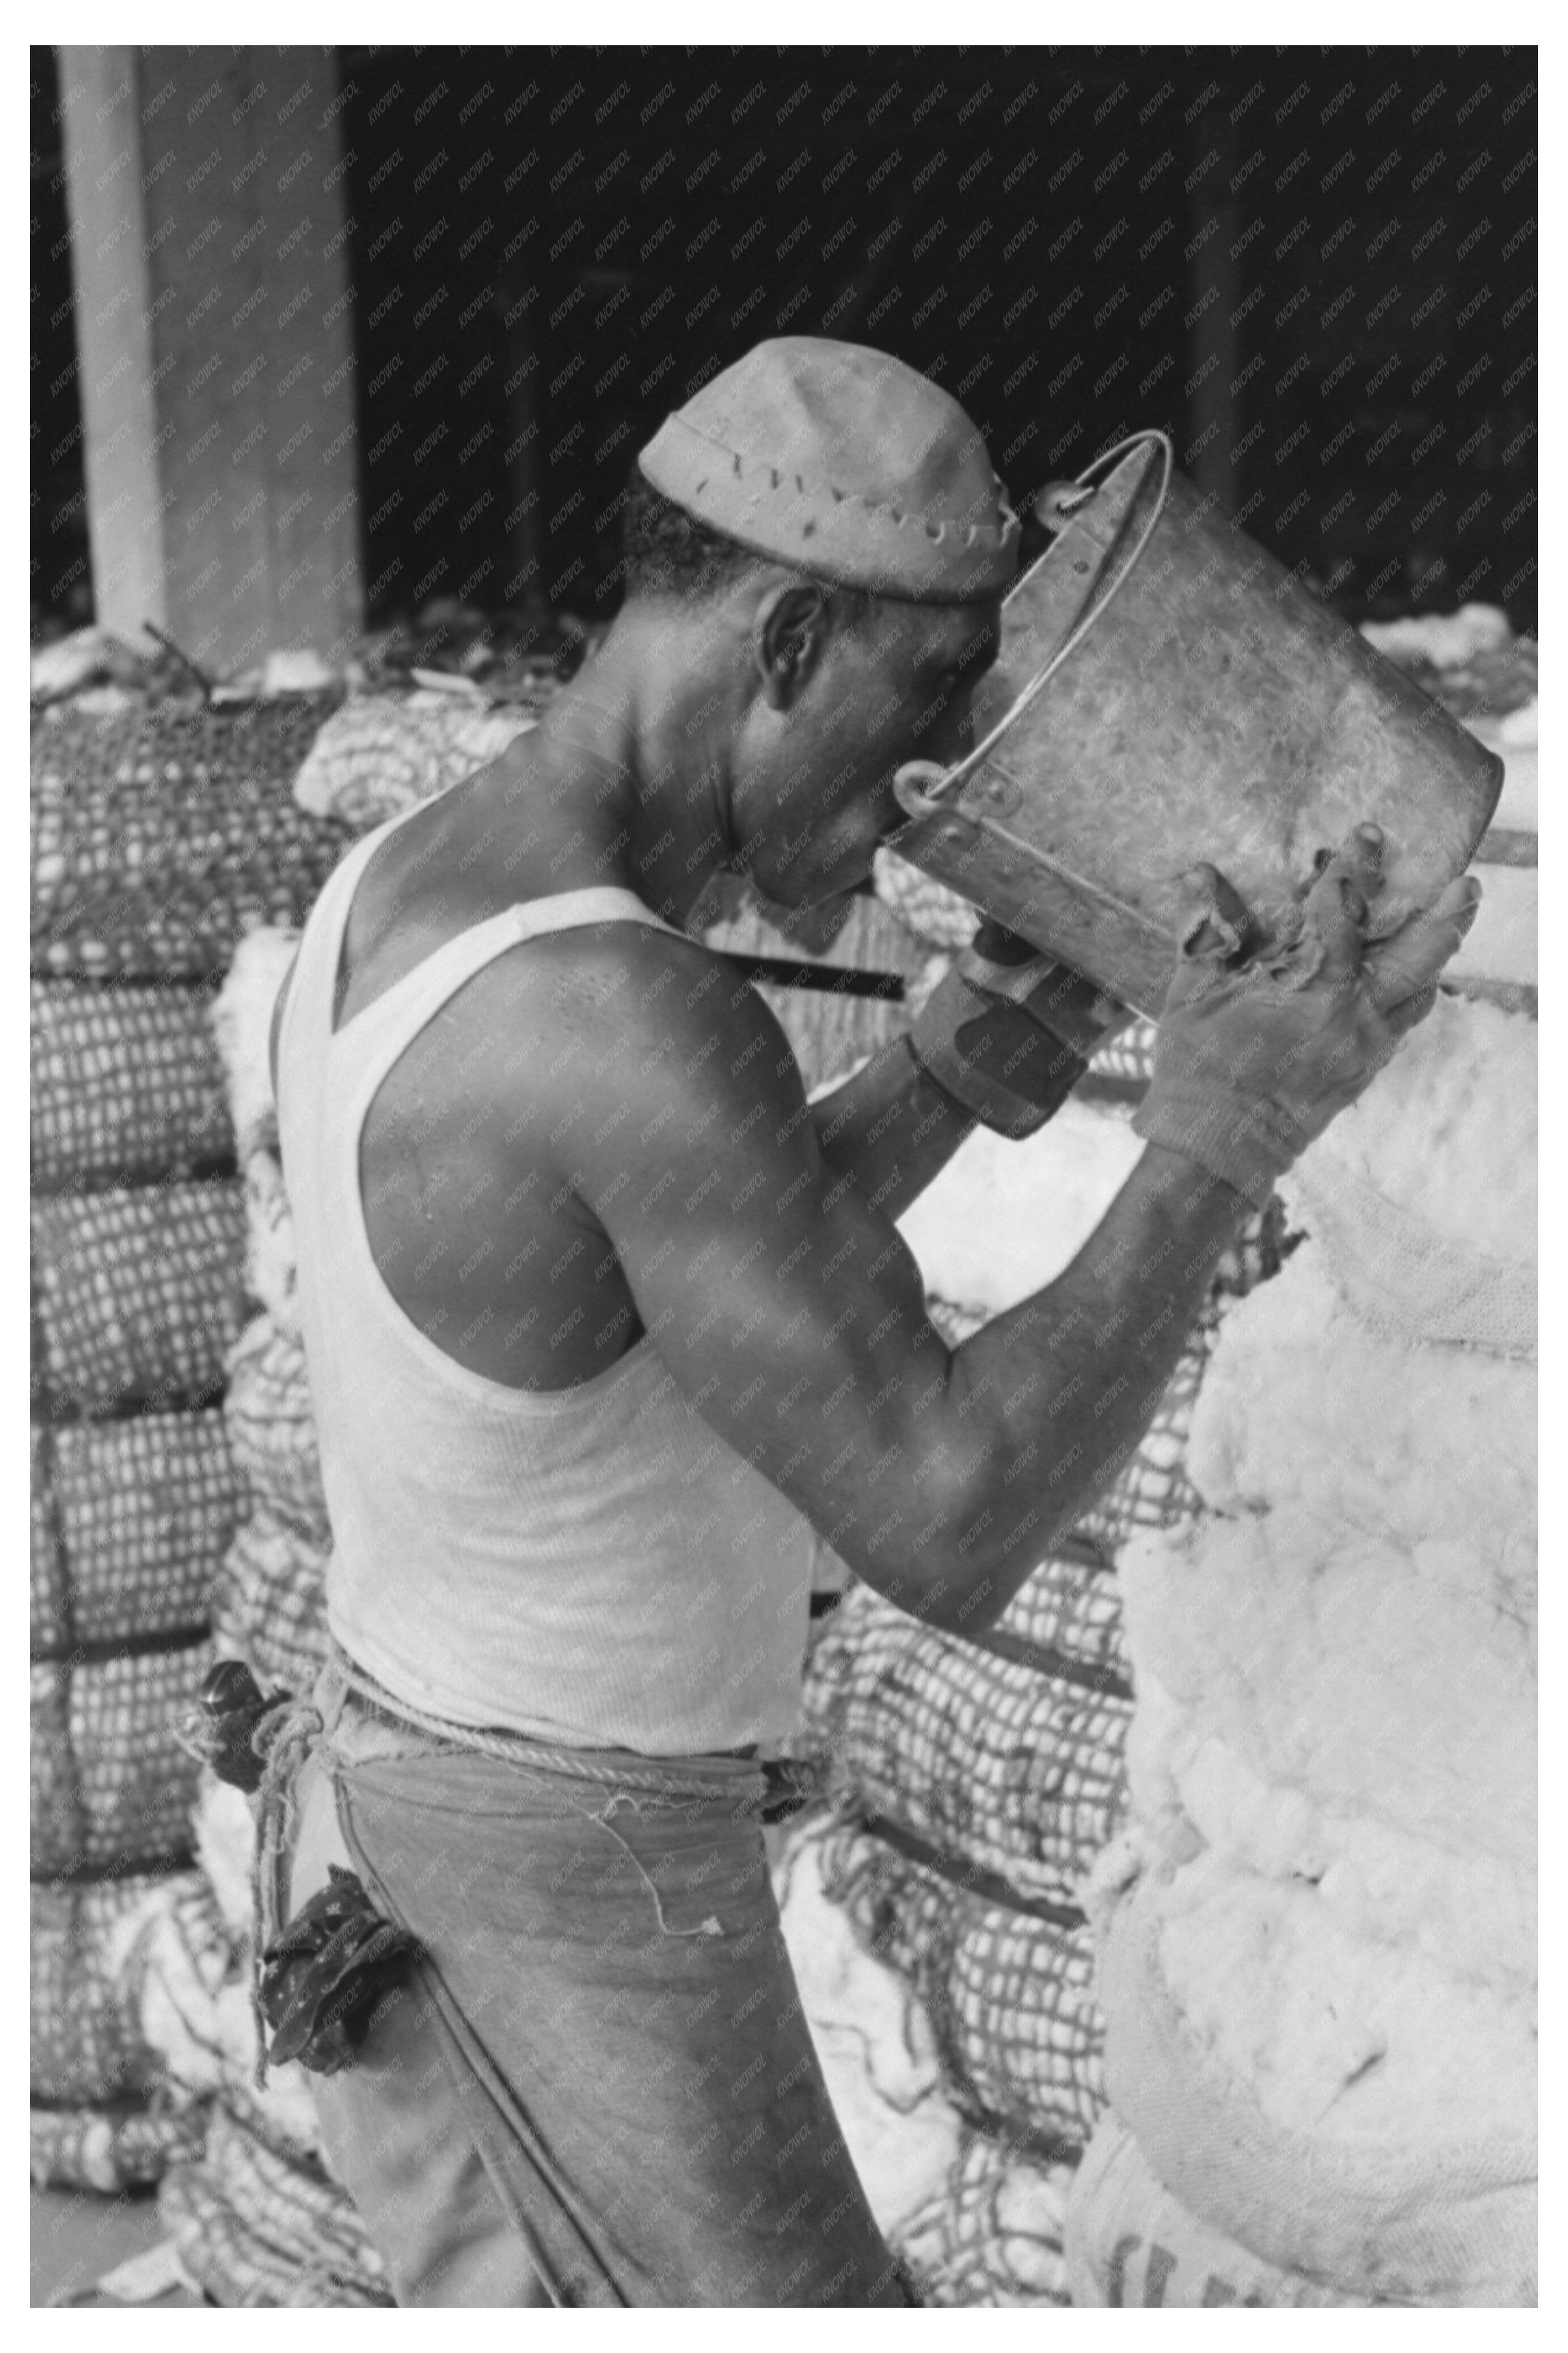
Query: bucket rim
[952, 780]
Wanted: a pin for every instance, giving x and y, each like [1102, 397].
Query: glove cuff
[1247, 1143]
[991, 1058]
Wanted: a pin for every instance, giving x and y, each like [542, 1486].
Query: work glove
[1008, 1032]
[1261, 1043]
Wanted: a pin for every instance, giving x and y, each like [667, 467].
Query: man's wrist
[1247, 1142]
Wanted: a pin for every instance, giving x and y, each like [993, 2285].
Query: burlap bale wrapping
[87, 2041]
[48, 1616]
[1073, 1606]
[139, 1293]
[1009, 1993]
[990, 1762]
[272, 1427]
[189, 1974]
[126, 1086]
[256, 2227]
[110, 1785]
[162, 832]
[995, 2235]
[142, 1513]
[269, 1603]
[123, 2144]
[1129, 2242]
[383, 753]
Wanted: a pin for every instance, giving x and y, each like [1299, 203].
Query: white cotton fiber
[242, 1021]
[1333, 1766]
[1302, 1408]
[1002, 1220]
[225, 1832]
[1447, 640]
[1448, 1129]
[1504, 941]
[1338, 2034]
[876, 2047]
[270, 1259]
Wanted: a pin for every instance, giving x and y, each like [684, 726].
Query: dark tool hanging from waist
[322, 1977]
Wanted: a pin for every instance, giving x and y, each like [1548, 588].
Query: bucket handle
[950, 782]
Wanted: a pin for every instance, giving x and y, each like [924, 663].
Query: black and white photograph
[782, 1425]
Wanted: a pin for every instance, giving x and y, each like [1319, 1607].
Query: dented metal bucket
[1168, 693]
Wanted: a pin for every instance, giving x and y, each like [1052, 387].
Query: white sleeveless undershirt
[595, 1566]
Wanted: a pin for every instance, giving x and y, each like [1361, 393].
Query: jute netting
[1009, 1992]
[87, 2039]
[990, 1762]
[1071, 1605]
[126, 1086]
[164, 832]
[137, 1515]
[138, 1295]
[269, 1604]
[121, 2145]
[272, 1427]
[111, 1786]
[255, 2227]
[993, 2234]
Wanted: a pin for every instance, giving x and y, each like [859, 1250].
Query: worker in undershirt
[605, 1328]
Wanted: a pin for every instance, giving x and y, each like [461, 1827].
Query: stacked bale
[382, 753]
[1339, 1654]
[1317, 1942]
[161, 831]
[164, 830]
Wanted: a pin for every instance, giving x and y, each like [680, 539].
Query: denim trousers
[597, 2081]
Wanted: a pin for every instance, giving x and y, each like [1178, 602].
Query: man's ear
[788, 635]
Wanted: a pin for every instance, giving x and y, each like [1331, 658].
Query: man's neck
[634, 755]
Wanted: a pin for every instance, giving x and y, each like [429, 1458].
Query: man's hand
[1259, 1047]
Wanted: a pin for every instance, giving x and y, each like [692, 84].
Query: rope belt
[714, 1776]
[285, 1735]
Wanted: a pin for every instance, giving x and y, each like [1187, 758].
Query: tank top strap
[313, 980]
[395, 1018]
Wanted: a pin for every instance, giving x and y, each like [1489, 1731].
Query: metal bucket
[1166, 693]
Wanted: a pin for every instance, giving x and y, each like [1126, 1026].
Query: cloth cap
[845, 462]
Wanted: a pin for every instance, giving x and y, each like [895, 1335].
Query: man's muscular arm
[891, 1128]
[790, 1312]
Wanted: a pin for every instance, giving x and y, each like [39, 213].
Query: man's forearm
[891, 1128]
[1043, 1407]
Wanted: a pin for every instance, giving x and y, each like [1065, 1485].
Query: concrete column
[210, 247]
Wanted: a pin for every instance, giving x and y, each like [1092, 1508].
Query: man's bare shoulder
[626, 1013]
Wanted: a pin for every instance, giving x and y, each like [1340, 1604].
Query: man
[603, 1321]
